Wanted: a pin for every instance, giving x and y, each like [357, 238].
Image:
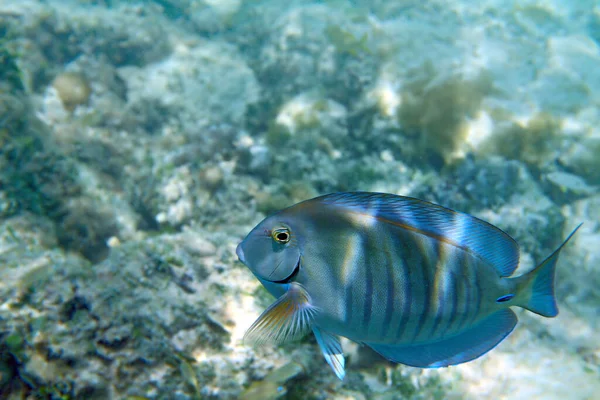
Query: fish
[420, 284]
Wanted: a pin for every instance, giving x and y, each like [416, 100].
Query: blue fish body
[421, 284]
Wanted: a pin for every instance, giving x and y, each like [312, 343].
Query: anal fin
[458, 349]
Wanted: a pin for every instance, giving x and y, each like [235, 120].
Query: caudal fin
[537, 287]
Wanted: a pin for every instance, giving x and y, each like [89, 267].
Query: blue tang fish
[420, 284]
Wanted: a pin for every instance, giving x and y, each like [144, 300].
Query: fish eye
[281, 235]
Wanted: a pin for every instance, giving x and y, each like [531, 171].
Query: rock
[577, 54]
[204, 84]
[123, 312]
[582, 158]
[305, 117]
[197, 245]
[580, 282]
[564, 187]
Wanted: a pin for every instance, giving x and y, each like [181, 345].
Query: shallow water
[140, 141]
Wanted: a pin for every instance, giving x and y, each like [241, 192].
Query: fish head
[272, 250]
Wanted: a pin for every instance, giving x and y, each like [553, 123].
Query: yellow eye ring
[281, 235]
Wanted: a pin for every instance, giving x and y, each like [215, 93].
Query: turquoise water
[140, 141]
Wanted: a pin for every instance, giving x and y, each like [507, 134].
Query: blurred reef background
[141, 140]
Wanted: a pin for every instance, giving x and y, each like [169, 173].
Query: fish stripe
[404, 268]
[427, 282]
[477, 299]
[438, 293]
[348, 301]
[447, 260]
[453, 287]
[453, 302]
[439, 315]
[368, 285]
[348, 271]
[466, 289]
[351, 259]
[391, 289]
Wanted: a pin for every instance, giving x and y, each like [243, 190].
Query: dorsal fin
[455, 228]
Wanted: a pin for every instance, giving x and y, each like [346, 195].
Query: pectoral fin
[332, 350]
[289, 318]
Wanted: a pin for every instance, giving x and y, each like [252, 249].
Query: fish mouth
[291, 276]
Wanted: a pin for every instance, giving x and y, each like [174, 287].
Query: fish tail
[536, 288]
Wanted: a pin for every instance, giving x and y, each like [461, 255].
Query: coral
[40, 178]
[434, 112]
[212, 177]
[107, 105]
[86, 230]
[73, 89]
[56, 34]
[535, 141]
[305, 118]
[295, 55]
[187, 84]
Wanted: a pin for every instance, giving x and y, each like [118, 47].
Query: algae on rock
[434, 112]
[536, 142]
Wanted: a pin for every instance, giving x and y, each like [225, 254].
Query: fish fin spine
[536, 288]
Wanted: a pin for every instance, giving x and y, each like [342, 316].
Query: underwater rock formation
[120, 209]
